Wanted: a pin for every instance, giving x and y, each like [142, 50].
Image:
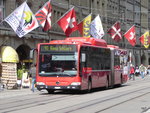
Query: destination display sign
[58, 48]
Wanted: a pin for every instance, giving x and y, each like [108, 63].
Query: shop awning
[9, 54]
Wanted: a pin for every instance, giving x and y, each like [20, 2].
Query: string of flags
[23, 21]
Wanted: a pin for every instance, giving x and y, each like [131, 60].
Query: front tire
[50, 91]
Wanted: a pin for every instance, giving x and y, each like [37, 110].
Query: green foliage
[20, 73]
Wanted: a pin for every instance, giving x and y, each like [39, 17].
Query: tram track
[122, 102]
[29, 103]
[44, 99]
[38, 95]
[81, 106]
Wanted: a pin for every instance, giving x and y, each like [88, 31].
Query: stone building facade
[128, 12]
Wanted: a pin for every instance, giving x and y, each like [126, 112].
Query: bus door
[112, 77]
[83, 70]
[117, 66]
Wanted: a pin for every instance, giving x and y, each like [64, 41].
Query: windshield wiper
[67, 74]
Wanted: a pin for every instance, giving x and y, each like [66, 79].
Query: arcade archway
[143, 59]
[23, 53]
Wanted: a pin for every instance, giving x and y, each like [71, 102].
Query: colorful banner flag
[68, 22]
[131, 36]
[22, 20]
[96, 28]
[44, 16]
[115, 32]
[145, 39]
[84, 26]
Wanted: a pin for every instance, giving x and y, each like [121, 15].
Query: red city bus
[78, 63]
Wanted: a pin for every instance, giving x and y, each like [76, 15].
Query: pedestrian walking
[137, 71]
[148, 70]
[143, 70]
[126, 71]
[132, 71]
[33, 75]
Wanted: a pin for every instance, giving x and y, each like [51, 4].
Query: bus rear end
[57, 67]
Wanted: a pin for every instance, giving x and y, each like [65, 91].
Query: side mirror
[33, 55]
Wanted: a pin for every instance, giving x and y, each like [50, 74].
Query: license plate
[57, 87]
[41, 87]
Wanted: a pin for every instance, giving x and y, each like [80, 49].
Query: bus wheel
[89, 86]
[50, 91]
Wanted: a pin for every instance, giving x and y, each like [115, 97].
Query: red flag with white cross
[131, 36]
[115, 32]
[68, 22]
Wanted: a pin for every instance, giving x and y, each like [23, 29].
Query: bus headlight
[40, 83]
[76, 83]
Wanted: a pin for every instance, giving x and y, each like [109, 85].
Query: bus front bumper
[70, 87]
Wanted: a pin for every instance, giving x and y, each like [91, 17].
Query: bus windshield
[57, 62]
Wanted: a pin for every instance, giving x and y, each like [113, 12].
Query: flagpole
[86, 17]
[64, 14]
[1, 22]
[113, 25]
[128, 30]
[42, 7]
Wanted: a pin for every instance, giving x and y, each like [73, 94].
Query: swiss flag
[115, 32]
[68, 22]
[130, 36]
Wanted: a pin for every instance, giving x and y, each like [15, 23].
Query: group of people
[27, 78]
[138, 71]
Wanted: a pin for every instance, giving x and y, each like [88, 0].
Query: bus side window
[83, 59]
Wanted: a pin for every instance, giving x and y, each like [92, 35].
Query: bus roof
[113, 46]
[81, 40]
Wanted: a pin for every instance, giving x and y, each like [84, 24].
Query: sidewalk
[4, 93]
[138, 78]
